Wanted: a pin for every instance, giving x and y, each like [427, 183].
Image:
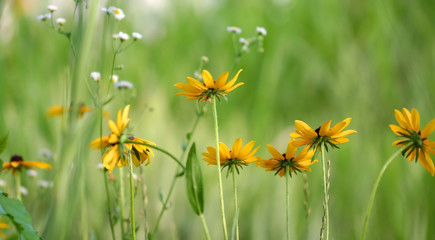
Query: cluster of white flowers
[114, 11]
[51, 9]
[245, 44]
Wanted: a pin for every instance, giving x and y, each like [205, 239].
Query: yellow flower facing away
[202, 91]
[16, 164]
[305, 135]
[238, 156]
[417, 145]
[58, 110]
[3, 226]
[279, 162]
[120, 146]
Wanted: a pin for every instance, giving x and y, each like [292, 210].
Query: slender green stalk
[325, 193]
[375, 187]
[176, 176]
[233, 169]
[83, 205]
[109, 209]
[221, 193]
[18, 185]
[121, 201]
[204, 226]
[133, 225]
[287, 202]
[165, 152]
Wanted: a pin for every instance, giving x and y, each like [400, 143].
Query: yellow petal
[295, 135]
[291, 150]
[324, 129]
[398, 143]
[231, 82]
[397, 130]
[99, 143]
[246, 150]
[400, 118]
[196, 84]
[415, 117]
[305, 129]
[208, 79]
[114, 128]
[234, 87]
[42, 165]
[224, 152]
[343, 134]
[339, 126]
[428, 129]
[408, 119]
[188, 88]
[276, 155]
[220, 82]
[54, 111]
[237, 146]
[427, 162]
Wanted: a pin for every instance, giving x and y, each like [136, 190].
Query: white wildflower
[2, 183]
[24, 190]
[52, 8]
[114, 78]
[45, 184]
[61, 21]
[123, 36]
[262, 31]
[43, 17]
[45, 153]
[244, 41]
[123, 84]
[116, 12]
[204, 59]
[32, 173]
[136, 36]
[96, 76]
[233, 29]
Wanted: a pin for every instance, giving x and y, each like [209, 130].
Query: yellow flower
[3, 226]
[121, 146]
[238, 156]
[418, 146]
[305, 135]
[17, 163]
[196, 90]
[57, 110]
[279, 162]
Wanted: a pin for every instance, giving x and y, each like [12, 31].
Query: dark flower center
[16, 158]
[317, 131]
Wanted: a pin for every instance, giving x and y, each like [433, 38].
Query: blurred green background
[323, 60]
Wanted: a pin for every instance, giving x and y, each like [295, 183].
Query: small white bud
[204, 59]
[45, 153]
[124, 84]
[114, 78]
[100, 166]
[61, 21]
[2, 183]
[123, 36]
[136, 36]
[51, 8]
[96, 76]
[43, 17]
[244, 41]
[233, 29]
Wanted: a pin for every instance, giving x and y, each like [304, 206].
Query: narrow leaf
[3, 142]
[194, 183]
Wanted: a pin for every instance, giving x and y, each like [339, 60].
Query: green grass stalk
[375, 187]
[233, 169]
[204, 226]
[287, 202]
[121, 201]
[218, 163]
[133, 225]
[18, 185]
[325, 222]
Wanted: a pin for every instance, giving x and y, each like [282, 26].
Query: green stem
[165, 152]
[325, 194]
[18, 185]
[375, 187]
[84, 217]
[287, 202]
[204, 226]
[176, 176]
[221, 193]
[235, 201]
[109, 209]
[121, 201]
[133, 225]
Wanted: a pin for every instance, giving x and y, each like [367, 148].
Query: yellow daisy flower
[3, 226]
[58, 110]
[121, 145]
[202, 91]
[279, 162]
[305, 135]
[238, 156]
[419, 146]
[17, 163]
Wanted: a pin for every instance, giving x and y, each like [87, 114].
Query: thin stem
[325, 201]
[84, 217]
[233, 169]
[176, 176]
[18, 185]
[204, 226]
[121, 201]
[306, 203]
[109, 209]
[287, 202]
[375, 187]
[133, 225]
[221, 193]
[165, 152]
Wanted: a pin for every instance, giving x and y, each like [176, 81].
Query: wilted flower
[262, 31]
[61, 21]
[52, 8]
[233, 29]
[123, 85]
[136, 36]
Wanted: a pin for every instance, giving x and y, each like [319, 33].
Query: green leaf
[194, 183]
[22, 220]
[3, 142]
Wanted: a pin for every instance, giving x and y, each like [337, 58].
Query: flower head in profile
[120, 147]
[17, 164]
[417, 145]
[202, 91]
[58, 110]
[238, 156]
[279, 162]
[323, 135]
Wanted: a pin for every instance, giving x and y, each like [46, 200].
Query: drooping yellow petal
[427, 162]
[276, 155]
[99, 143]
[196, 84]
